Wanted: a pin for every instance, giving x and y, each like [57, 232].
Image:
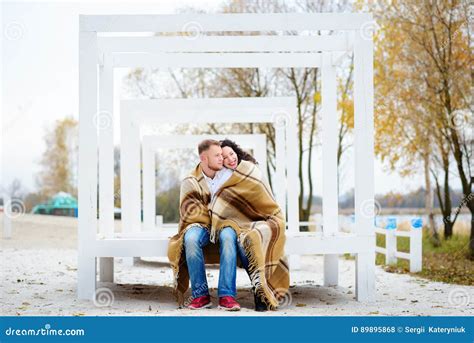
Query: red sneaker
[229, 304]
[200, 303]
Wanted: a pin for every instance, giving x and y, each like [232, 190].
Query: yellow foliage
[412, 45]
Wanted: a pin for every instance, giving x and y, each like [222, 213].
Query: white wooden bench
[99, 55]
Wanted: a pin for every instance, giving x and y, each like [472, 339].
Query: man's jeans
[195, 239]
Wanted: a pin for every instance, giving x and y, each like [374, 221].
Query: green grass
[448, 263]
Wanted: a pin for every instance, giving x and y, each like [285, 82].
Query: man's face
[213, 158]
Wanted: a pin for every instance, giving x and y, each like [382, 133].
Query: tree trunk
[470, 205]
[429, 199]
[471, 242]
[448, 229]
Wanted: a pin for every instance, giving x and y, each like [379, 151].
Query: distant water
[346, 221]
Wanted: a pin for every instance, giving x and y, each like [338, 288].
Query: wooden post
[416, 245]
[149, 188]
[130, 177]
[391, 242]
[104, 121]
[292, 187]
[279, 186]
[330, 196]
[364, 163]
[87, 175]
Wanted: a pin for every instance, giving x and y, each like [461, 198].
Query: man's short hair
[206, 144]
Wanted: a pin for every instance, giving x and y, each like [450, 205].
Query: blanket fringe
[212, 236]
[179, 295]
[257, 274]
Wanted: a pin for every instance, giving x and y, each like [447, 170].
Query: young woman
[246, 203]
[233, 154]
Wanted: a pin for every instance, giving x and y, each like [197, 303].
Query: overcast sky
[40, 85]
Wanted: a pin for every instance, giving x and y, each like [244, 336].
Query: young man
[197, 237]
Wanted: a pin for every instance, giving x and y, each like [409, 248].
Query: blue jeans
[195, 239]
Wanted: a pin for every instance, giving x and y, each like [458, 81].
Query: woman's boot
[260, 306]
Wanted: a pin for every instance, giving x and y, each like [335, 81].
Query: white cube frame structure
[281, 112]
[150, 145]
[198, 51]
[135, 115]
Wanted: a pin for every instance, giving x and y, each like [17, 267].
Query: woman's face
[230, 158]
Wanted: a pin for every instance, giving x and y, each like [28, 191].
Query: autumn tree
[58, 164]
[424, 92]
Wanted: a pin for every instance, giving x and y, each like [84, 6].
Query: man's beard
[214, 168]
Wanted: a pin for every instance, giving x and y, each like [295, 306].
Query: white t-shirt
[219, 179]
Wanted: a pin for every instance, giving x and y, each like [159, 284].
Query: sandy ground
[39, 273]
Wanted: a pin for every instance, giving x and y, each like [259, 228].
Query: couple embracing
[228, 216]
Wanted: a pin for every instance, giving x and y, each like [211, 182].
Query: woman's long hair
[241, 154]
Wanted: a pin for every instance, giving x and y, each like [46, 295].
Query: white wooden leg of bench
[106, 269]
[86, 275]
[295, 262]
[331, 270]
[365, 277]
